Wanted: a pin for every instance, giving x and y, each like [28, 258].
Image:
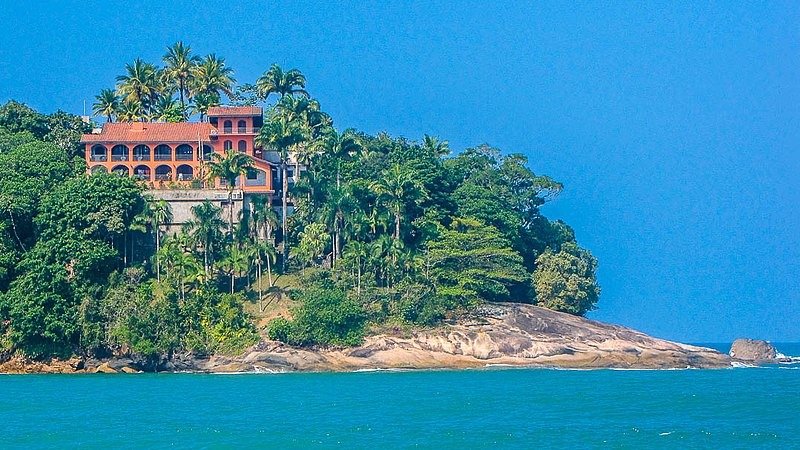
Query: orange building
[171, 158]
[173, 155]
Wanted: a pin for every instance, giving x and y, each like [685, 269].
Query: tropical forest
[371, 233]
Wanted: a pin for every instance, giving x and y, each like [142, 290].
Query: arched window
[99, 153]
[243, 146]
[228, 145]
[163, 153]
[141, 153]
[142, 173]
[242, 126]
[163, 173]
[120, 170]
[184, 172]
[184, 152]
[99, 169]
[207, 151]
[119, 153]
[227, 127]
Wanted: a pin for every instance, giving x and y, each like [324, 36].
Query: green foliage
[325, 317]
[565, 280]
[474, 261]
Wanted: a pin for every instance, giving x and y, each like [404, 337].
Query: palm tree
[395, 188]
[140, 84]
[336, 211]
[236, 263]
[263, 251]
[359, 252]
[160, 213]
[281, 134]
[179, 70]
[204, 228]
[166, 109]
[340, 146]
[306, 113]
[106, 104]
[264, 219]
[202, 101]
[212, 77]
[130, 112]
[181, 265]
[229, 168]
[435, 146]
[276, 81]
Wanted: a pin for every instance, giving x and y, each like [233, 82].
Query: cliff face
[499, 334]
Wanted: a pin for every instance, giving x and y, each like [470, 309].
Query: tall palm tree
[106, 104]
[396, 187]
[140, 84]
[181, 265]
[202, 101]
[336, 211]
[204, 228]
[435, 146]
[340, 146]
[236, 263]
[263, 251]
[130, 112]
[166, 109]
[179, 69]
[212, 77]
[276, 81]
[359, 253]
[160, 213]
[264, 219]
[229, 168]
[281, 134]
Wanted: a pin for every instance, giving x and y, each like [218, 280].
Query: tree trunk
[260, 288]
[158, 258]
[397, 226]
[269, 272]
[232, 281]
[230, 206]
[14, 228]
[284, 211]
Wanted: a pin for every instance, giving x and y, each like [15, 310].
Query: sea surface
[496, 407]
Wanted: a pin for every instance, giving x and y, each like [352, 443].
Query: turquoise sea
[511, 408]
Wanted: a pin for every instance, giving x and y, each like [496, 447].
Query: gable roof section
[151, 132]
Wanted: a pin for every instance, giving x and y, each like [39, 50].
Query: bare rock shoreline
[508, 334]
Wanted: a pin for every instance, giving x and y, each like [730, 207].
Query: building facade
[172, 158]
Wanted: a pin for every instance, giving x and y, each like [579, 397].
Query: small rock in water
[753, 350]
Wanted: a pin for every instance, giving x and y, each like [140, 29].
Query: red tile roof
[151, 132]
[234, 111]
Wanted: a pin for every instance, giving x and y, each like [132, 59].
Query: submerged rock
[753, 350]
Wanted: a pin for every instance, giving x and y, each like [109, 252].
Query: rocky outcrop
[750, 350]
[505, 334]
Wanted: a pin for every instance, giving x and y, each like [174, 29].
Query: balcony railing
[162, 157]
[98, 158]
[163, 177]
[184, 157]
[119, 157]
[243, 130]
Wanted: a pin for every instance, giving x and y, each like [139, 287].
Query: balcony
[119, 157]
[240, 130]
[98, 158]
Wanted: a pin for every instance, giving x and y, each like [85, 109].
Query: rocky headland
[508, 334]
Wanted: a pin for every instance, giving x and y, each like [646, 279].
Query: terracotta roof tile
[234, 111]
[151, 132]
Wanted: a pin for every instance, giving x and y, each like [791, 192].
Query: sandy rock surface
[497, 335]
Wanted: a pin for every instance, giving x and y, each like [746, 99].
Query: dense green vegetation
[383, 230]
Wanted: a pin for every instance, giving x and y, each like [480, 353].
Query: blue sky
[675, 127]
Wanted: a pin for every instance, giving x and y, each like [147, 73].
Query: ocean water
[506, 408]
